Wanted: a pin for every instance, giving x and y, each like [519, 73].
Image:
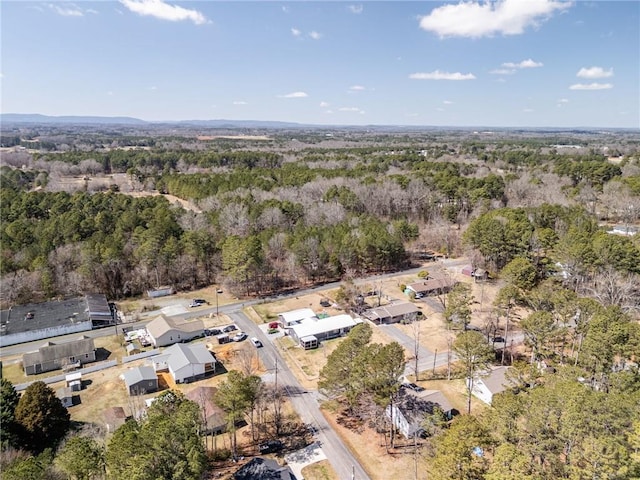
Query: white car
[238, 337]
[256, 343]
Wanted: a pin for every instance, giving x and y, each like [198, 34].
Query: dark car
[414, 387]
[209, 332]
[325, 303]
[229, 328]
[498, 340]
[271, 446]
[197, 302]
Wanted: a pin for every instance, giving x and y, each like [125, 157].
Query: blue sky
[510, 63]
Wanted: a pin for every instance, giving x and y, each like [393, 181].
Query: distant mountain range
[38, 119]
[35, 118]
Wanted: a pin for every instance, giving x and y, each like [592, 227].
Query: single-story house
[53, 356]
[287, 319]
[411, 408]
[264, 469]
[322, 328]
[140, 380]
[213, 416]
[393, 313]
[432, 286]
[475, 273]
[495, 381]
[113, 418]
[165, 330]
[186, 363]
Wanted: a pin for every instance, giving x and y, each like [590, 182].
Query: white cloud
[563, 100]
[164, 11]
[315, 35]
[591, 86]
[595, 72]
[447, 102]
[356, 88]
[295, 32]
[488, 18]
[349, 109]
[67, 11]
[503, 71]
[240, 102]
[153, 88]
[355, 9]
[438, 75]
[285, 9]
[294, 95]
[324, 104]
[523, 64]
[110, 93]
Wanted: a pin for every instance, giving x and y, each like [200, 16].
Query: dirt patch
[321, 470]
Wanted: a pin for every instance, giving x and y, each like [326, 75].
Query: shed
[74, 381]
[65, 394]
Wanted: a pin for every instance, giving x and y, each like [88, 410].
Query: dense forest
[300, 207]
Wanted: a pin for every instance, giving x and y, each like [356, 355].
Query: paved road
[305, 402]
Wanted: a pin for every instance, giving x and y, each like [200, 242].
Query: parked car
[325, 303]
[238, 337]
[271, 446]
[274, 325]
[209, 332]
[498, 340]
[197, 302]
[256, 343]
[414, 387]
[229, 328]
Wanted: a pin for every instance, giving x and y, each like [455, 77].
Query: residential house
[186, 363]
[165, 330]
[411, 408]
[53, 356]
[140, 380]
[287, 319]
[213, 416]
[432, 286]
[262, 469]
[393, 313]
[492, 382]
[322, 328]
[114, 417]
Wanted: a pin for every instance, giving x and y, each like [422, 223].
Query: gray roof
[138, 374]
[433, 284]
[37, 316]
[263, 469]
[50, 352]
[393, 310]
[163, 324]
[181, 355]
[496, 381]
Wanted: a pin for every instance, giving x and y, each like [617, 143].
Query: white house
[322, 328]
[185, 363]
[286, 319]
[486, 385]
[165, 330]
[411, 408]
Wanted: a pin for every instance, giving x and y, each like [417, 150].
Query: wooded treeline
[279, 213]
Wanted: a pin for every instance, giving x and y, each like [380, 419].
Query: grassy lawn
[321, 470]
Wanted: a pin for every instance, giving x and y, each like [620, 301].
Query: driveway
[301, 458]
